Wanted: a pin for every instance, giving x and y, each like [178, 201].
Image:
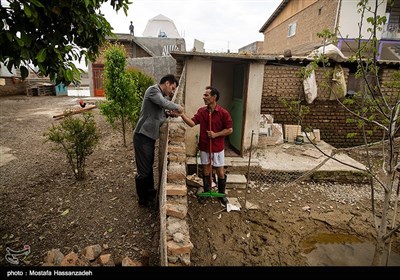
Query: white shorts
[217, 158]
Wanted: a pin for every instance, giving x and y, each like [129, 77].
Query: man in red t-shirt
[215, 123]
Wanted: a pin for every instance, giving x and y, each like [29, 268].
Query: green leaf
[37, 3]
[69, 74]
[19, 41]
[9, 36]
[25, 54]
[24, 72]
[27, 11]
[41, 56]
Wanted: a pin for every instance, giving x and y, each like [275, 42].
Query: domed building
[162, 27]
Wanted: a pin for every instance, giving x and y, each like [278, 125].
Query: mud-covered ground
[306, 224]
[43, 206]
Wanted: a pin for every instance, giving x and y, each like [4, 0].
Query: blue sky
[220, 24]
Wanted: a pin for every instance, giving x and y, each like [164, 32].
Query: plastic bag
[310, 86]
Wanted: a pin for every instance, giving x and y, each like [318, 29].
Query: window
[357, 84]
[292, 29]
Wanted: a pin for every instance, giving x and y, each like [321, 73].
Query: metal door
[236, 108]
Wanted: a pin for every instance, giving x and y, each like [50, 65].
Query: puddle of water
[341, 250]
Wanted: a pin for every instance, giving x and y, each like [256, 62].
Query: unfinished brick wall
[175, 244]
[326, 115]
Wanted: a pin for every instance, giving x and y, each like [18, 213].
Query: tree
[122, 101]
[142, 82]
[77, 137]
[374, 110]
[52, 34]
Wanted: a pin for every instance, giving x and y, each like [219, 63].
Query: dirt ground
[43, 206]
[37, 189]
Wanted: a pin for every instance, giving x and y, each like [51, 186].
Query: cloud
[220, 24]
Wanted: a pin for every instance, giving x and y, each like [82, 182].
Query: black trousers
[144, 155]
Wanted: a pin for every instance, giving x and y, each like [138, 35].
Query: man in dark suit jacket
[153, 113]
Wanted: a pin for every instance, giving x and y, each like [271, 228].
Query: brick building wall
[309, 22]
[387, 75]
[132, 51]
[326, 115]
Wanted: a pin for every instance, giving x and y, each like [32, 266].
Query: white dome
[161, 26]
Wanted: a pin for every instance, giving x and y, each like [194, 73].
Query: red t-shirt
[220, 120]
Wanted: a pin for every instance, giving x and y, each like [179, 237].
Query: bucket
[299, 139]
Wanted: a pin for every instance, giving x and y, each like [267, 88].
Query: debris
[194, 181]
[251, 206]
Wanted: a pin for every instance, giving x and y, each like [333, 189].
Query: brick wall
[309, 22]
[175, 244]
[326, 115]
[387, 75]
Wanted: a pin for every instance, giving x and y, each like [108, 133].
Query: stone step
[237, 181]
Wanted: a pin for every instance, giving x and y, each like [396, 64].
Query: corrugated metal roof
[262, 58]
[221, 55]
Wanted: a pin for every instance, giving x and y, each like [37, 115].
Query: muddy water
[341, 250]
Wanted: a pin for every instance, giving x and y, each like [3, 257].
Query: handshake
[174, 113]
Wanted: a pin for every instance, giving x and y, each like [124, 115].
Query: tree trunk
[380, 242]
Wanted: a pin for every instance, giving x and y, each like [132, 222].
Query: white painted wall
[198, 76]
[349, 18]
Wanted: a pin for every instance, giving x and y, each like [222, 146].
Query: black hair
[169, 78]
[213, 91]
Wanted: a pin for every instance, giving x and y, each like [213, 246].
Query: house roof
[154, 46]
[122, 37]
[236, 56]
[270, 59]
[277, 11]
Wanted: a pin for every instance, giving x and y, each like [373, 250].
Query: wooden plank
[77, 111]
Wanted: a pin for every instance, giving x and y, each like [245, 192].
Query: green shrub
[77, 137]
